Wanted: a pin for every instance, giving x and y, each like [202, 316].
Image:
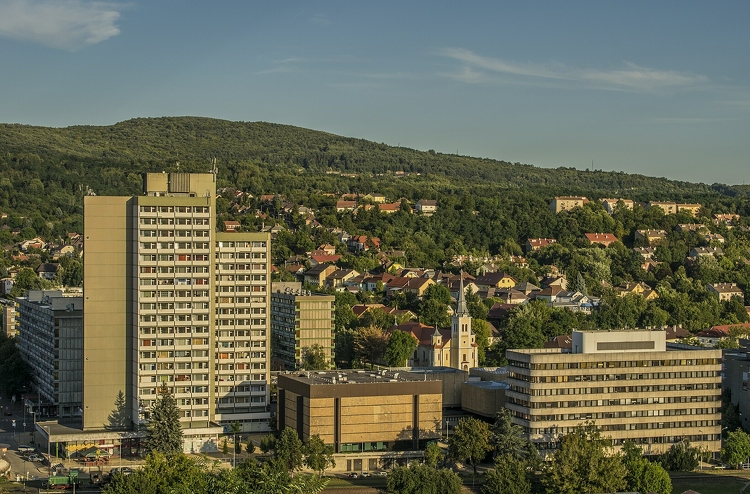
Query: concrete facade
[566, 203]
[167, 300]
[299, 320]
[628, 382]
[51, 342]
[736, 379]
[358, 411]
[8, 320]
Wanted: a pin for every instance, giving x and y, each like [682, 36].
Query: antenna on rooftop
[214, 169]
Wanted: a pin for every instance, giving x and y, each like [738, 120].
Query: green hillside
[49, 169]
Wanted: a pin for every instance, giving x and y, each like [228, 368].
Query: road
[7, 436]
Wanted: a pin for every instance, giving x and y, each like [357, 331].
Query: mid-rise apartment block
[299, 320]
[627, 382]
[8, 317]
[168, 300]
[566, 203]
[51, 342]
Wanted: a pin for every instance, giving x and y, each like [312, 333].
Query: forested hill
[49, 168]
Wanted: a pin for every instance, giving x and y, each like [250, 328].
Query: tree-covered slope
[49, 169]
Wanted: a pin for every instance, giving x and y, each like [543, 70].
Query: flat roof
[488, 384]
[359, 376]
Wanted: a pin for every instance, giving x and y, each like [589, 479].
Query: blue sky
[659, 88]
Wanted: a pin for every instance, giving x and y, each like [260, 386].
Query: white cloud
[64, 24]
[630, 77]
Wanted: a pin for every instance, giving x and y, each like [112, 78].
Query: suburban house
[363, 242]
[563, 342]
[390, 208]
[416, 286]
[34, 243]
[726, 291]
[575, 301]
[316, 259]
[692, 209]
[339, 277]
[345, 206]
[714, 237]
[566, 203]
[375, 197]
[692, 227]
[697, 252]
[667, 207]
[533, 244]
[605, 239]
[730, 220]
[327, 249]
[63, 250]
[47, 270]
[527, 288]
[427, 206]
[317, 274]
[495, 280]
[231, 225]
[558, 281]
[650, 236]
[641, 289]
[714, 334]
[647, 253]
[611, 204]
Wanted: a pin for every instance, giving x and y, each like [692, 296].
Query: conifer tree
[165, 433]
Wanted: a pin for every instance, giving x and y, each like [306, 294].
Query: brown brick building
[361, 411]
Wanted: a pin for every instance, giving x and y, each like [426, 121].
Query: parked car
[35, 457]
[7, 412]
[354, 475]
[382, 474]
[125, 471]
[25, 448]
[365, 474]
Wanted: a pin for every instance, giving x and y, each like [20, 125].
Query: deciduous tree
[318, 455]
[736, 448]
[470, 442]
[584, 462]
[401, 346]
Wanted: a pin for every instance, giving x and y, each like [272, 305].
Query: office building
[51, 342]
[299, 320]
[629, 383]
[167, 300]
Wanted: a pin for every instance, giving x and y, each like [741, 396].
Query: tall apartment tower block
[168, 300]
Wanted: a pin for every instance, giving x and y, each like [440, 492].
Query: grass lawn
[709, 483]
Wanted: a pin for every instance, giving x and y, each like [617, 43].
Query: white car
[365, 475]
[382, 474]
[35, 457]
[25, 448]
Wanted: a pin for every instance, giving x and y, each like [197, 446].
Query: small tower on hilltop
[463, 344]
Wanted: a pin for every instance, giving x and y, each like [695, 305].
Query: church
[455, 347]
